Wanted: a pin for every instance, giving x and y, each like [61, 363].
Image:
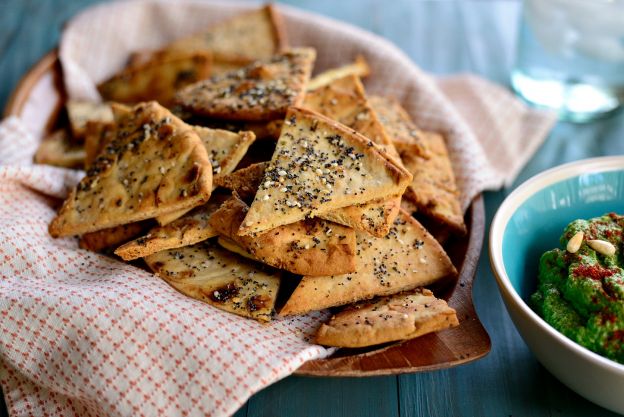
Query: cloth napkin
[83, 334]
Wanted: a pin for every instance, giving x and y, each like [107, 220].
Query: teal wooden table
[442, 37]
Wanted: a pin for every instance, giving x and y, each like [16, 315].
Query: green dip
[582, 294]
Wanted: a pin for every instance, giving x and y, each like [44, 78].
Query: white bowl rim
[499, 224]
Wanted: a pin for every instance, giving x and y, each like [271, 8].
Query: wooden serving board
[465, 343]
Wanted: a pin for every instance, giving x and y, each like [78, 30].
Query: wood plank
[327, 397]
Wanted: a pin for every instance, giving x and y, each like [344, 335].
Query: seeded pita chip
[433, 189]
[81, 112]
[97, 136]
[57, 150]
[157, 79]
[408, 257]
[318, 166]
[344, 100]
[375, 217]
[359, 68]
[257, 34]
[261, 91]
[225, 150]
[218, 277]
[307, 247]
[113, 237]
[189, 229]
[155, 165]
[244, 181]
[398, 125]
[387, 319]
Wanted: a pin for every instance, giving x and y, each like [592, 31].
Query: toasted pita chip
[187, 230]
[433, 189]
[257, 34]
[398, 125]
[344, 100]
[244, 181]
[261, 91]
[97, 136]
[157, 79]
[318, 166]
[374, 218]
[155, 165]
[359, 67]
[225, 150]
[113, 237]
[408, 257]
[387, 319]
[80, 112]
[57, 150]
[220, 278]
[308, 247]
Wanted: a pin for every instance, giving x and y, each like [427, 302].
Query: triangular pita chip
[433, 189]
[344, 100]
[318, 166]
[225, 150]
[308, 247]
[375, 217]
[155, 165]
[359, 67]
[57, 150]
[257, 34]
[81, 112]
[97, 136]
[113, 237]
[387, 319]
[408, 257]
[261, 91]
[244, 181]
[157, 79]
[398, 124]
[189, 229]
[218, 277]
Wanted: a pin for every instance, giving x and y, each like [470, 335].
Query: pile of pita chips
[245, 172]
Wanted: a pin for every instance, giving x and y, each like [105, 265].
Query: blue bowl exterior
[537, 224]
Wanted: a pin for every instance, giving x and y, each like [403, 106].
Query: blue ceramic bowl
[530, 222]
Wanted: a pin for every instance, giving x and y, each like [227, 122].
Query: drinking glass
[570, 57]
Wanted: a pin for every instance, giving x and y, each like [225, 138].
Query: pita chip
[157, 79]
[155, 165]
[359, 67]
[257, 34]
[189, 229]
[308, 247]
[318, 166]
[244, 181]
[408, 257]
[57, 150]
[110, 238]
[81, 112]
[220, 278]
[225, 151]
[398, 125]
[344, 100]
[387, 319]
[433, 189]
[261, 91]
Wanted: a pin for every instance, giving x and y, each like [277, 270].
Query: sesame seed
[248, 223]
[281, 173]
[283, 189]
[162, 170]
[266, 197]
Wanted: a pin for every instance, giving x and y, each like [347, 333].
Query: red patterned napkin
[83, 334]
